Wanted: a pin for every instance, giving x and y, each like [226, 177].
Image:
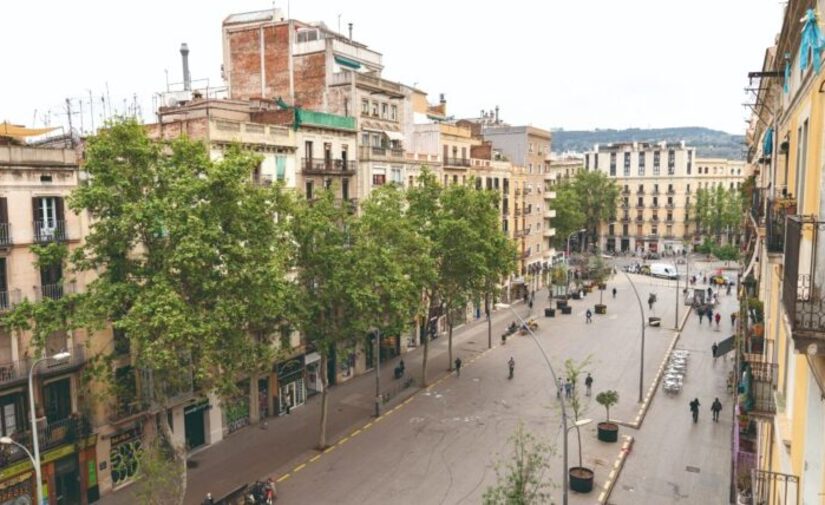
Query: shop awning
[724, 347]
[312, 358]
[394, 135]
[767, 142]
[346, 62]
[20, 132]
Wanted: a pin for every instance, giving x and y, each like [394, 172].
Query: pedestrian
[458, 367]
[568, 388]
[512, 366]
[709, 313]
[705, 281]
[288, 401]
[694, 409]
[588, 382]
[559, 387]
[208, 500]
[729, 287]
[716, 407]
[701, 314]
[710, 292]
[614, 292]
[530, 304]
[713, 350]
[651, 300]
[718, 318]
[733, 318]
[589, 316]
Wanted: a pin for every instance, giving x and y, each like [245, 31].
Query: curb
[613, 477]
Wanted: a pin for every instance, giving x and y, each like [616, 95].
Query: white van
[663, 270]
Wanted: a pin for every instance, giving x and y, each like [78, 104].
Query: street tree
[190, 263]
[521, 478]
[327, 291]
[570, 214]
[597, 196]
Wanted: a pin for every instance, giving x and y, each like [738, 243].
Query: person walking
[589, 316]
[713, 350]
[559, 388]
[718, 318]
[733, 319]
[458, 367]
[208, 500]
[614, 292]
[651, 300]
[512, 366]
[709, 314]
[588, 382]
[701, 312]
[288, 401]
[568, 388]
[694, 409]
[716, 408]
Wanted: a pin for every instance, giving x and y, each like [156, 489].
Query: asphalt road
[442, 446]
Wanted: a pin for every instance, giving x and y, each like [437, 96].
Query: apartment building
[35, 182]
[527, 148]
[780, 438]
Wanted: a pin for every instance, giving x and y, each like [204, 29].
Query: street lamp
[642, 313]
[555, 384]
[570, 236]
[61, 356]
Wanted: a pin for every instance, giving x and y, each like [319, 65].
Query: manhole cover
[692, 469]
[471, 341]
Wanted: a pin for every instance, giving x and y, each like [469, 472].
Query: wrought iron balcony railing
[758, 385]
[49, 435]
[774, 488]
[324, 166]
[49, 231]
[803, 288]
[17, 372]
[778, 210]
[457, 162]
[5, 234]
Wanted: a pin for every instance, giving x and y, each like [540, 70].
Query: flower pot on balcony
[608, 432]
[581, 479]
[601, 308]
[758, 330]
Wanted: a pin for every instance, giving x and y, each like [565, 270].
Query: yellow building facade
[780, 441]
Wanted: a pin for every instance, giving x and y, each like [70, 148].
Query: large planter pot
[577, 295]
[560, 304]
[581, 479]
[548, 312]
[654, 321]
[601, 308]
[602, 286]
[567, 310]
[588, 289]
[608, 432]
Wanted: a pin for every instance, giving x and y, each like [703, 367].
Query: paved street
[441, 447]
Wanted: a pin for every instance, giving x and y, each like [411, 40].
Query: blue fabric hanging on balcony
[786, 85]
[812, 41]
[767, 142]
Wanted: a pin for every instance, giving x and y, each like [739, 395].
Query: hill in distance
[708, 143]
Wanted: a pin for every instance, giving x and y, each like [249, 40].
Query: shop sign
[92, 473]
[124, 454]
[288, 368]
[26, 464]
[196, 408]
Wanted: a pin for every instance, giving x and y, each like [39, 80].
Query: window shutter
[61, 210]
[4, 210]
[36, 209]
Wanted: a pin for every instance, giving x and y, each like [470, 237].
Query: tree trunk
[489, 321]
[608, 414]
[424, 360]
[322, 438]
[579, 436]
[179, 451]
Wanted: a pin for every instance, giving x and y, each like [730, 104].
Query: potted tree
[599, 274]
[608, 432]
[581, 477]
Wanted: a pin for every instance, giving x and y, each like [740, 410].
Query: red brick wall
[276, 117]
[310, 80]
[276, 61]
[245, 66]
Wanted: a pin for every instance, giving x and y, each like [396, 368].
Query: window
[394, 112]
[801, 163]
[671, 162]
[688, 189]
[670, 216]
[627, 164]
[530, 147]
[463, 153]
[57, 397]
[395, 176]
[48, 217]
[365, 139]
[670, 200]
[641, 163]
[655, 189]
[280, 167]
[385, 111]
[374, 109]
[307, 35]
[587, 161]
[656, 162]
[625, 230]
[12, 414]
[610, 229]
[309, 190]
[596, 161]
[612, 164]
[654, 230]
[365, 107]
[379, 179]
[641, 202]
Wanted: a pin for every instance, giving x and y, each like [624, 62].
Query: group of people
[567, 387]
[715, 408]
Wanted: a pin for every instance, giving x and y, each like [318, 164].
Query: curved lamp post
[555, 384]
[570, 236]
[35, 456]
[642, 313]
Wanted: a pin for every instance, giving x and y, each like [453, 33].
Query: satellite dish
[171, 101]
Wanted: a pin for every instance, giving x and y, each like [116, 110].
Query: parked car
[663, 270]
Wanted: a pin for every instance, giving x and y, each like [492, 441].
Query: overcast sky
[552, 63]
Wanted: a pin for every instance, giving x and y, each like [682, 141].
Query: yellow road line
[355, 433]
[299, 468]
[314, 458]
[343, 440]
[283, 477]
[329, 449]
[368, 425]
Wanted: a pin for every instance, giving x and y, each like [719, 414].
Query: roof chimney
[442, 99]
[496, 114]
[187, 79]
[350, 32]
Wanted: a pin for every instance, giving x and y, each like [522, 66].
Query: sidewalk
[674, 460]
[262, 449]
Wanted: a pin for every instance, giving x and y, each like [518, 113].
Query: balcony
[669, 219]
[9, 299]
[778, 210]
[17, 372]
[640, 205]
[773, 488]
[49, 436]
[802, 287]
[549, 232]
[321, 166]
[758, 204]
[758, 384]
[626, 192]
[655, 192]
[550, 213]
[671, 191]
[459, 162]
[670, 206]
[640, 191]
[517, 212]
[5, 234]
[654, 205]
[49, 231]
[625, 205]
[366, 153]
[53, 291]
[124, 410]
[640, 219]
[625, 219]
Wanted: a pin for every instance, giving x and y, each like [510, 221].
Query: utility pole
[676, 323]
[69, 114]
[377, 372]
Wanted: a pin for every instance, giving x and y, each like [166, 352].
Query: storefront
[291, 384]
[313, 366]
[123, 455]
[236, 410]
